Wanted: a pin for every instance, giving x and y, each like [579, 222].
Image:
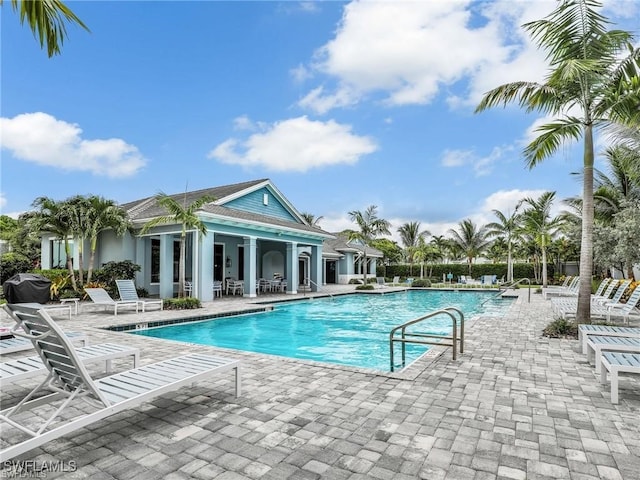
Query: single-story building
[253, 232]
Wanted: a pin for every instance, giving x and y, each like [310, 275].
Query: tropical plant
[506, 228]
[370, 227]
[184, 215]
[47, 20]
[55, 218]
[391, 252]
[538, 222]
[589, 86]
[311, 219]
[103, 214]
[470, 239]
[410, 235]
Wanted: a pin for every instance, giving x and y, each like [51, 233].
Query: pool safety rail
[423, 338]
[504, 288]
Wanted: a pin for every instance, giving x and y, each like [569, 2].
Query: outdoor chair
[615, 363]
[71, 383]
[585, 330]
[100, 297]
[217, 288]
[188, 288]
[128, 293]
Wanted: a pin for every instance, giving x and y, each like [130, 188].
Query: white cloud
[467, 158]
[409, 51]
[300, 73]
[296, 144]
[243, 122]
[42, 139]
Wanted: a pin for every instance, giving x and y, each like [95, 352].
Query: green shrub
[12, 263]
[365, 287]
[355, 281]
[421, 282]
[187, 303]
[561, 328]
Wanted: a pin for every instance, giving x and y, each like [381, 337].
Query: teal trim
[254, 202]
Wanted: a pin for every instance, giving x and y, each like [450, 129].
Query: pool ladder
[419, 338]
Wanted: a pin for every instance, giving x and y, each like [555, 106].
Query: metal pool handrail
[419, 336]
[511, 285]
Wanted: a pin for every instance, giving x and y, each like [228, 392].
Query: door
[330, 273]
[218, 262]
[240, 263]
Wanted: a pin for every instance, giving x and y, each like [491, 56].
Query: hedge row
[520, 270]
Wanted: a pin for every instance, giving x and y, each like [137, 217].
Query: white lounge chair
[23, 368]
[99, 296]
[128, 293]
[70, 381]
[586, 330]
[568, 291]
[597, 344]
[568, 307]
[615, 363]
[17, 344]
[380, 282]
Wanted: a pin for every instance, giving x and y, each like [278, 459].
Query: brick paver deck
[515, 405]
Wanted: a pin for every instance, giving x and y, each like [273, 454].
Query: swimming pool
[348, 330]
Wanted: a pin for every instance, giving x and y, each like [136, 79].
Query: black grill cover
[27, 288]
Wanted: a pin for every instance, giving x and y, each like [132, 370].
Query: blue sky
[341, 104]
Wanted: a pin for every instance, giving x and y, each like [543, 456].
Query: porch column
[250, 270]
[203, 267]
[292, 268]
[315, 268]
[166, 266]
[143, 277]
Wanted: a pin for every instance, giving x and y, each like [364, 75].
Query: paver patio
[515, 405]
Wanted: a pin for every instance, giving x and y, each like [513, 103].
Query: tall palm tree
[538, 222]
[47, 20]
[410, 236]
[54, 217]
[370, 227]
[589, 86]
[506, 227]
[470, 239]
[103, 214]
[186, 216]
[311, 219]
[622, 183]
[78, 214]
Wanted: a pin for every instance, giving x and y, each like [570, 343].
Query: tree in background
[410, 235]
[470, 239]
[589, 86]
[311, 219]
[370, 227]
[540, 225]
[506, 228]
[47, 20]
[186, 216]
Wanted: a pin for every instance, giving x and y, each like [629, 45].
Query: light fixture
[228, 262]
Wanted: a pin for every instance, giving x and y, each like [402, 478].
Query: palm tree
[537, 222]
[426, 252]
[470, 240]
[55, 218]
[186, 216]
[103, 214]
[506, 227]
[370, 227]
[46, 19]
[311, 219]
[589, 86]
[410, 236]
[78, 214]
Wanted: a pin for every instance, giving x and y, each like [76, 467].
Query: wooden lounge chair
[128, 293]
[70, 382]
[615, 363]
[23, 368]
[99, 296]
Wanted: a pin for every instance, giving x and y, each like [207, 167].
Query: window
[58, 254]
[155, 260]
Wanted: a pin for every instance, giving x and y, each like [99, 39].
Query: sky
[342, 105]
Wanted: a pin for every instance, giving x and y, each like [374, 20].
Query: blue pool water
[347, 330]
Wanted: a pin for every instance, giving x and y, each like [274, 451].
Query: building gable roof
[341, 244]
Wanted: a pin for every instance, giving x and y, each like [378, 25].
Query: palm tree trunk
[80, 260]
[92, 257]
[544, 266]
[67, 251]
[364, 267]
[509, 265]
[583, 314]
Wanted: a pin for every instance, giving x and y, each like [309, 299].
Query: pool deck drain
[515, 405]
